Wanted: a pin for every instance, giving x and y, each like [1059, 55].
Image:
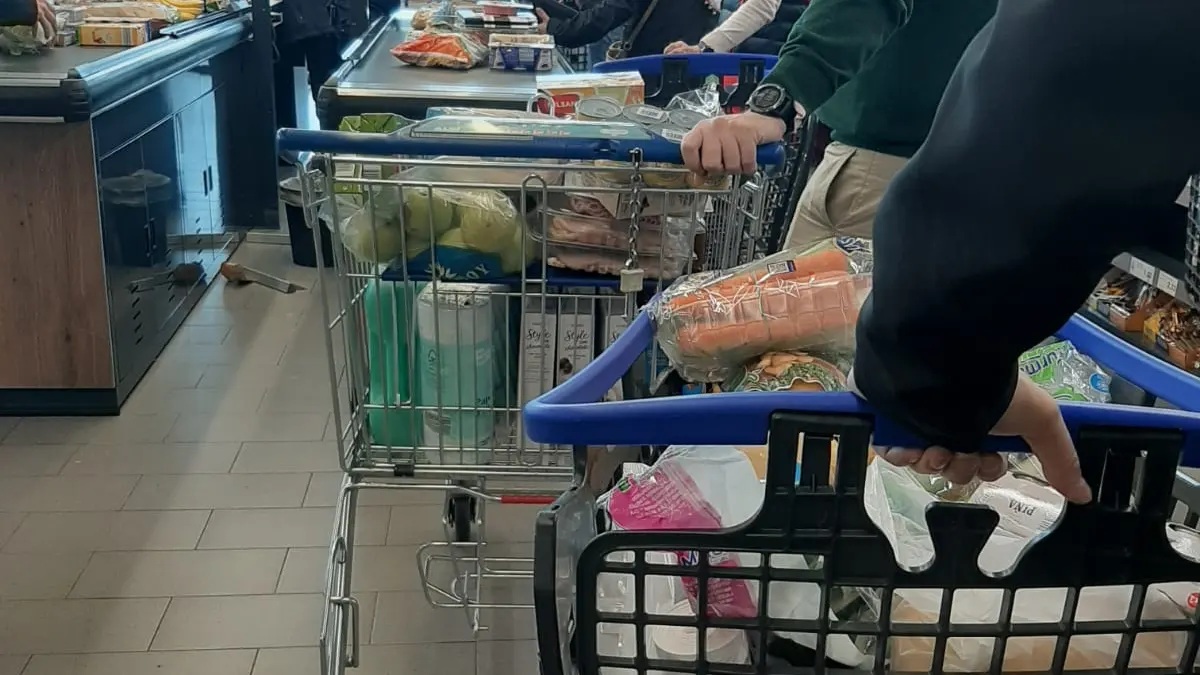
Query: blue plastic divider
[571, 413]
[698, 65]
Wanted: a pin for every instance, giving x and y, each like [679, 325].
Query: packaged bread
[710, 323]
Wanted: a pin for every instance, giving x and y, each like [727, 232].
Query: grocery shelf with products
[140, 163]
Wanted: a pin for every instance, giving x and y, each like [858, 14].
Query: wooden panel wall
[54, 329]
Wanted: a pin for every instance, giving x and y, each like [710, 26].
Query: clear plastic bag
[458, 51]
[710, 323]
[1065, 373]
[705, 100]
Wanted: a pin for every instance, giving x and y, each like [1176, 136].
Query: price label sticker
[1167, 284]
[1142, 270]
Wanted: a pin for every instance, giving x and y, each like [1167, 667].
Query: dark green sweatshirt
[874, 70]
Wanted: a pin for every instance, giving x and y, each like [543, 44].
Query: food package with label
[655, 235]
[465, 122]
[114, 34]
[432, 49]
[787, 371]
[607, 262]
[521, 52]
[1065, 373]
[712, 322]
[559, 93]
[368, 123]
[608, 191]
[117, 11]
[447, 233]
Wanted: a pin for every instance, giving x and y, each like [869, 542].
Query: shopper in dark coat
[770, 38]
[311, 35]
[670, 20]
[27, 13]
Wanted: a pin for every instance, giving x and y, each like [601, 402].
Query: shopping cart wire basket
[1128, 455]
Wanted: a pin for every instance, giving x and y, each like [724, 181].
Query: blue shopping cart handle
[403, 143]
[698, 65]
[570, 414]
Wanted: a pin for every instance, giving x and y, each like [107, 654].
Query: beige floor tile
[503, 657]
[289, 457]
[214, 400]
[375, 568]
[153, 458]
[13, 665]
[65, 493]
[404, 617]
[11, 522]
[7, 424]
[34, 460]
[249, 426]
[282, 399]
[291, 661]
[233, 352]
[108, 531]
[201, 335]
[78, 626]
[210, 491]
[324, 488]
[416, 524]
[39, 576]
[167, 375]
[214, 662]
[265, 374]
[246, 621]
[154, 574]
[289, 528]
[68, 430]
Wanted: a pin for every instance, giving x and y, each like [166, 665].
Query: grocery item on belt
[644, 114]
[567, 89]
[521, 52]
[712, 322]
[597, 109]
[443, 50]
[1065, 373]
[787, 371]
[686, 119]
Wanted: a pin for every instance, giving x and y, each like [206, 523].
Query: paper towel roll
[679, 643]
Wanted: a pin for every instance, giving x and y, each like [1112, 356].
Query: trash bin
[300, 235]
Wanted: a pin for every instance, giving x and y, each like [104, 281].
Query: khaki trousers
[842, 195]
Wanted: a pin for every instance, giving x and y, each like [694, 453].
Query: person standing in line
[873, 72]
[311, 35]
[755, 27]
[647, 26]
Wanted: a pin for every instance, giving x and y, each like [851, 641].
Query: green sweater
[874, 70]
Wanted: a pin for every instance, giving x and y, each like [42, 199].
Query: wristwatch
[773, 101]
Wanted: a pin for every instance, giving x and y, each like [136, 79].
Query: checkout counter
[127, 173]
[373, 81]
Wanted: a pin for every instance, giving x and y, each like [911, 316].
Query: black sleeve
[1062, 140]
[18, 12]
[593, 23]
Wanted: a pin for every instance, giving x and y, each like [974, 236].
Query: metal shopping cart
[433, 351]
[739, 74]
[1129, 455]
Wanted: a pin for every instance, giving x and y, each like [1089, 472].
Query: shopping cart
[668, 76]
[1129, 456]
[428, 373]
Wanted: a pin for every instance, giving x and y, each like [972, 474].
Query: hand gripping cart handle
[1129, 456]
[518, 139]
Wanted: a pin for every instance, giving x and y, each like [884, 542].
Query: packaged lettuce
[1065, 373]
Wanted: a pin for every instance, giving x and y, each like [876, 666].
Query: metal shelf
[1169, 282]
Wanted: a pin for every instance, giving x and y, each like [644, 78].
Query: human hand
[543, 19]
[1034, 416]
[46, 19]
[727, 144]
[678, 47]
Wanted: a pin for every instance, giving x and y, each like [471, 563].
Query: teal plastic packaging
[388, 310]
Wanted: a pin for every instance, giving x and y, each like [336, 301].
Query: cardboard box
[568, 89]
[114, 34]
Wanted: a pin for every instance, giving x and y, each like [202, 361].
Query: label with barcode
[1142, 270]
[1167, 284]
[653, 113]
[673, 135]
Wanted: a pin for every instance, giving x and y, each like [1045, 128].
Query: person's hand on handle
[1034, 416]
[543, 19]
[679, 47]
[727, 144]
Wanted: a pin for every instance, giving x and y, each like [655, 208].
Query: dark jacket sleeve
[593, 22]
[18, 12]
[831, 42]
[1050, 154]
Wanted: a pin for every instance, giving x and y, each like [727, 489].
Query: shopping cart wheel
[461, 511]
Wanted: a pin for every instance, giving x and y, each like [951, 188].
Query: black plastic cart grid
[1129, 456]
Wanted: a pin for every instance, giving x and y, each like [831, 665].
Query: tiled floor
[189, 536]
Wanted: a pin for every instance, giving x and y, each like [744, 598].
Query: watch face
[766, 97]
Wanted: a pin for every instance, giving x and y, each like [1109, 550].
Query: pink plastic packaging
[666, 498]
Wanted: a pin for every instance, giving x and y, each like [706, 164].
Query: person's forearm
[18, 12]
[1010, 213]
[831, 42]
[746, 21]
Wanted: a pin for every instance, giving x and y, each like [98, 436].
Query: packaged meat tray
[619, 204]
[600, 261]
[565, 227]
[711, 323]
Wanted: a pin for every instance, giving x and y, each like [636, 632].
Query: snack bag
[710, 323]
[443, 50]
[788, 371]
[1065, 373]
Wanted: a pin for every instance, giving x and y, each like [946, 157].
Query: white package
[576, 337]
[538, 330]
